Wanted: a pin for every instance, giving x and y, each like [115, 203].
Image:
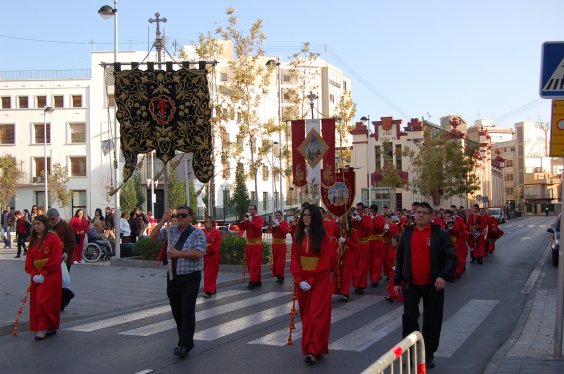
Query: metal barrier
[413, 347]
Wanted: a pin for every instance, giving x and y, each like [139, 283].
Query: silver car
[498, 214]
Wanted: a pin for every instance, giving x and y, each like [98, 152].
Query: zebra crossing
[456, 329]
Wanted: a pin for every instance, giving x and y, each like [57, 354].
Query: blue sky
[479, 58]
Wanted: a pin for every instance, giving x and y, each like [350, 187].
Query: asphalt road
[244, 331]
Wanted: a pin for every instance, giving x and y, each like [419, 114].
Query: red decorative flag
[299, 169]
[339, 198]
[328, 133]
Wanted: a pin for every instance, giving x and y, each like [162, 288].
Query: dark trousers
[182, 293]
[21, 243]
[433, 302]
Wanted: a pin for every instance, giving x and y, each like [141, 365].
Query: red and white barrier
[412, 348]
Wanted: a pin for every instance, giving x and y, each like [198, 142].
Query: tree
[193, 195]
[10, 176]
[131, 195]
[247, 86]
[57, 186]
[240, 199]
[345, 112]
[176, 188]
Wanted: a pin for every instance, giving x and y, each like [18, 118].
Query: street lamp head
[48, 109]
[107, 12]
[364, 118]
[271, 64]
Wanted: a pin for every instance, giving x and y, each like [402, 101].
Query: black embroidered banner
[164, 111]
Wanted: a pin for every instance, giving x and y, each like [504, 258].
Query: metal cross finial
[158, 21]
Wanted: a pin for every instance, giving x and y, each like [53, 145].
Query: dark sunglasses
[182, 215]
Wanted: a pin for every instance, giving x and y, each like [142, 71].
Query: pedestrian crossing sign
[552, 70]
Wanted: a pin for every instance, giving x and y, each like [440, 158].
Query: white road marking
[201, 315]
[280, 337]
[370, 333]
[462, 324]
[146, 371]
[92, 326]
[525, 238]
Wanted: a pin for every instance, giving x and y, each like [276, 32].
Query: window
[509, 177]
[78, 166]
[111, 99]
[77, 132]
[40, 199]
[77, 101]
[58, 101]
[223, 77]
[226, 170]
[7, 134]
[78, 200]
[40, 166]
[38, 129]
[398, 157]
[253, 197]
[378, 156]
[388, 153]
[509, 191]
[224, 138]
[6, 102]
[286, 77]
[41, 101]
[332, 98]
[23, 102]
[508, 163]
[264, 173]
[265, 200]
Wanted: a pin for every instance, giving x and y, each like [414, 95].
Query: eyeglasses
[182, 215]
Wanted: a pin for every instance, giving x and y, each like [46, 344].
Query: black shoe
[430, 364]
[280, 280]
[344, 298]
[389, 299]
[207, 295]
[480, 262]
[310, 359]
[359, 291]
[181, 352]
[250, 286]
[374, 284]
[18, 256]
[258, 284]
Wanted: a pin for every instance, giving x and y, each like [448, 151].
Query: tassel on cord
[20, 311]
[293, 313]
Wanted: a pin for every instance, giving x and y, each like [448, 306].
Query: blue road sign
[552, 70]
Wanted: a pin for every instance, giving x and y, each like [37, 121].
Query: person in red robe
[392, 294]
[43, 264]
[294, 224]
[310, 266]
[332, 229]
[362, 223]
[346, 255]
[390, 229]
[211, 258]
[252, 224]
[279, 230]
[80, 225]
[457, 230]
[376, 246]
[478, 228]
[494, 232]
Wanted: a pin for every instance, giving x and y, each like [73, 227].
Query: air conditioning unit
[37, 179]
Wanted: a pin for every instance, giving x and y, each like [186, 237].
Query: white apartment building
[82, 122]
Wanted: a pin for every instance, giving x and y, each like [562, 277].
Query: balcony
[37, 180]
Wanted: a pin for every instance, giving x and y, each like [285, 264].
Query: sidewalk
[99, 288]
[529, 349]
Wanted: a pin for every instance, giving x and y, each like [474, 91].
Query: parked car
[498, 214]
[555, 245]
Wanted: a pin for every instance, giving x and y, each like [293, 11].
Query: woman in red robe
[310, 267]
[211, 258]
[80, 225]
[43, 264]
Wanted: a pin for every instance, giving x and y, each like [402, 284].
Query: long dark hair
[317, 230]
[34, 236]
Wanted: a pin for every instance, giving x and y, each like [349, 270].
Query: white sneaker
[75, 262]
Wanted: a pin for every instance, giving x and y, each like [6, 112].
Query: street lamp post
[46, 110]
[274, 201]
[271, 63]
[108, 12]
[368, 168]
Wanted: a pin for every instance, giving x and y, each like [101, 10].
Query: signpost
[552, 87]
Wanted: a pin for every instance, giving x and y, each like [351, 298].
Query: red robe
[253, 247]
[494, 233]
[377, 252]
[279, 248]
[315, 304]
[45, 298]
[391, 274]
[481, 222]
[364, 229]
[344, 268]
[79, 225]
[458, 236]
[389, 248]
[211, 259]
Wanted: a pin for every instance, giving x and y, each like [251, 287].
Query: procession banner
[339, 198]
[298, 161]
[166, 111]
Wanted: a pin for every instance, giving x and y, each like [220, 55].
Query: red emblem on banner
[162, 109]
[339, 198]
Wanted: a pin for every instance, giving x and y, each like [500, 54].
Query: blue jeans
[6, 235]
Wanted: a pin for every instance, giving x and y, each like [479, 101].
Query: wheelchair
[93, 251]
